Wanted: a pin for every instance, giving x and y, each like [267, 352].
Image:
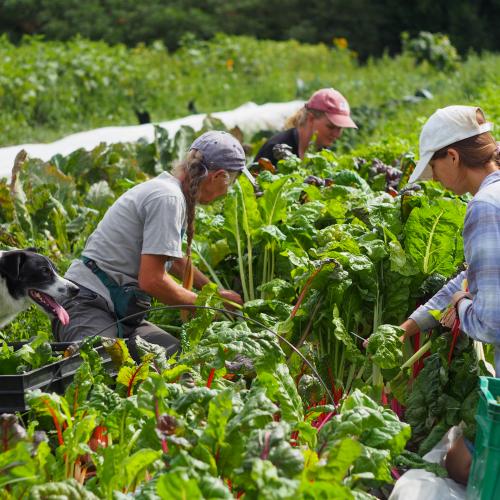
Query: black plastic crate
[54, 377]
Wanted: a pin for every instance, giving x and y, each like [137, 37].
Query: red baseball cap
[335, 106]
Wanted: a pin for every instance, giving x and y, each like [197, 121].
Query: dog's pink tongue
[62, 314]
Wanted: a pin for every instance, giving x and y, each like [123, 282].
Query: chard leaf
[103, 400]
[341, 457]
[267, 483]
[278, 310]
[352, 352]
[77, 392]
[100, 196]
[76, 438]
[197, 396]
[213, 488]
[224, 342]
[432, 236]
[135, 466]
[272, 233]
[129, 376]
[274, 203]
[220, 409]
[385, 347]
[410, 460]
[118, 350]
[396, 297]
[257, 411]
[17, 465]
[373, 425]
[277, 289]
[196, 328]
[375, 461]
[281, 389]
[325, 489]
[156, 353]
[10, 431]
[70, 488]
[271, 443]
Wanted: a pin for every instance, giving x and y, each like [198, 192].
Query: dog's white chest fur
[9, 306]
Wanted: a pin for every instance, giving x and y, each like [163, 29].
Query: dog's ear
[11, 263]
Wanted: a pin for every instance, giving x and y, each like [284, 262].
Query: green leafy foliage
[435, 48]
[34, 354]
[385, 347]
[325, 266]
[444, 394]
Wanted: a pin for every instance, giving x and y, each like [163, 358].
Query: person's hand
[231, 296]
[458, 296]
[450, 315]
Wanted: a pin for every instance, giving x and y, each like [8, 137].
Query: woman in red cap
[324, 116]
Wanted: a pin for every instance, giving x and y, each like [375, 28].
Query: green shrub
[435, 48]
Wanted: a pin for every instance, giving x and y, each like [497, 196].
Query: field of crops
[280, 399]
[51, 89]
[323, 257]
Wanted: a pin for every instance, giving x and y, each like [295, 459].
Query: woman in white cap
[324, 115]
[458, 150]
[138, 244]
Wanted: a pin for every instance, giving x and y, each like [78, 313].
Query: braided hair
[193, 171]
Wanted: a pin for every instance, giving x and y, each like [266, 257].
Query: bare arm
[177, 270]
[410, 327]
[156, 282]
[200, 280]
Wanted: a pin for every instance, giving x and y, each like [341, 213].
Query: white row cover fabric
[417, 484]
[249, 117]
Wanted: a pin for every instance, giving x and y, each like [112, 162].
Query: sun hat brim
[248, 175]
[422, 170]
[343, 121]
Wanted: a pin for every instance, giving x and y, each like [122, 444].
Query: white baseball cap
[446, 126]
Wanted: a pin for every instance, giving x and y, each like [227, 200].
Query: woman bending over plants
[458, 150]
[324, 115]
[137, 246]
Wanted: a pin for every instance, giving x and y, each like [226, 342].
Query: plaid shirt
[479, 317]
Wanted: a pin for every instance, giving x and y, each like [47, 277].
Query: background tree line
[370, 26]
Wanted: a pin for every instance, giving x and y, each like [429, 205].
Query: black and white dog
[26, 277]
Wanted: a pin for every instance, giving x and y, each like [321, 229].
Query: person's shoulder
[284, 137]
[490, 193]
[164, 189]
[163, 184]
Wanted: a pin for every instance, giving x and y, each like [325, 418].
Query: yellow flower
[229, 64]
[340, 43]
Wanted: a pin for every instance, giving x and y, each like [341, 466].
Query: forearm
[440, 300]
[167, 291]
[178, 269]
[410, 327]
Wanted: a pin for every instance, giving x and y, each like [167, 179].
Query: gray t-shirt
[148, 219]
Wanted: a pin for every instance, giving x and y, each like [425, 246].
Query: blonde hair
[298, 119]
